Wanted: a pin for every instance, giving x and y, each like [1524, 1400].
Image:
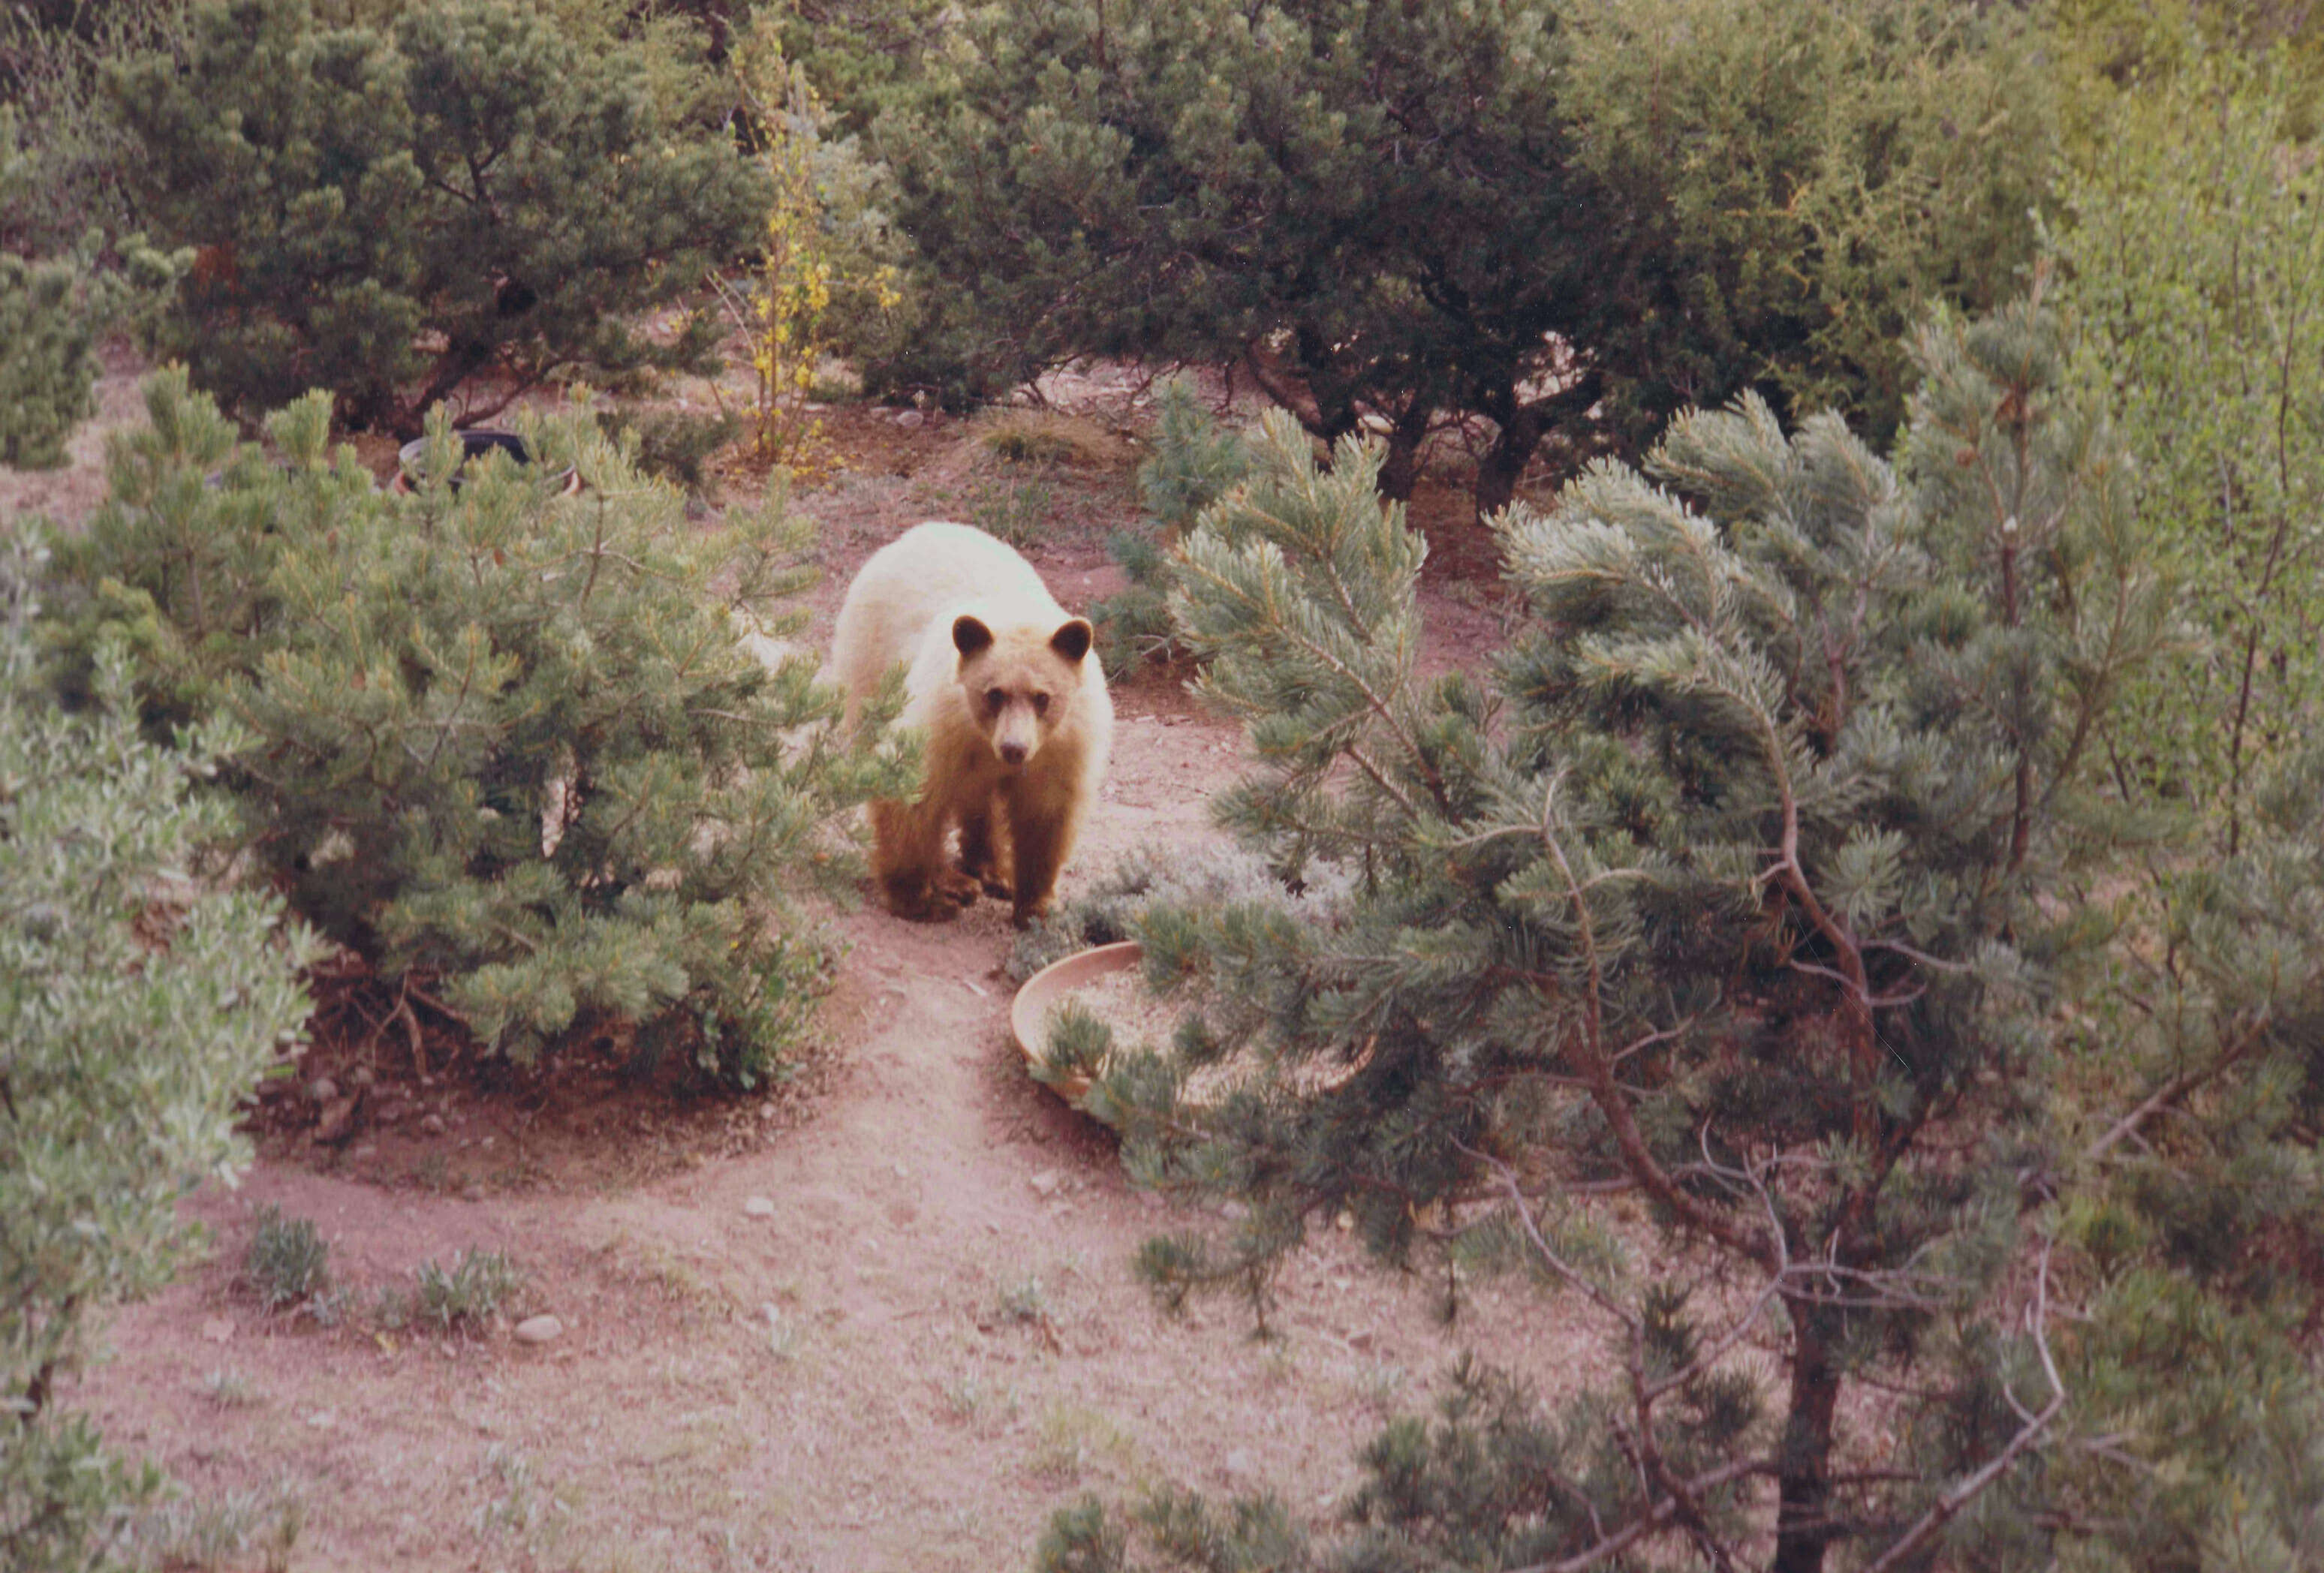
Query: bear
[1003, 685]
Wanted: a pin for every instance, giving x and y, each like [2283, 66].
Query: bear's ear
[970, 637]
[1073, 640]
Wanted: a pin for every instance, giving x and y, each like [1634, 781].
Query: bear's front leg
[1040, 833]
[909, 864]
[980, 860]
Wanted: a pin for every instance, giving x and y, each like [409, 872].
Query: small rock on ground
[538, 1330]
[759, 1206]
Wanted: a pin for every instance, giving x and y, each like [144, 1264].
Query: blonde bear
[1004, 686]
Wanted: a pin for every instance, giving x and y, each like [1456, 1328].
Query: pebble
[1045, 1183]
[759, 1206]
[322, 1090]
[538, 1330]
[433, 1124]
[1233, 1212]
[1361, 1342]
[911, 419]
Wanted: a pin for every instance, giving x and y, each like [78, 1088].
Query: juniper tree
[511, 748]
[1769, 877]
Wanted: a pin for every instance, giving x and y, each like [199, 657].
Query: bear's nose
[1012, 753]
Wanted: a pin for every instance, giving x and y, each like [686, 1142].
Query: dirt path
[896, 1335]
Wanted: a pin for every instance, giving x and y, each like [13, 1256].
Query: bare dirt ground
[883, 1318]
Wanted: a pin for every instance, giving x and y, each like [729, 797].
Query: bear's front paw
[921, 901]
[958, 886]
[992, 881]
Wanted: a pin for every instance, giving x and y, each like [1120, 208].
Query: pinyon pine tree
[1766, 879]
[511, 748]
[470, 189]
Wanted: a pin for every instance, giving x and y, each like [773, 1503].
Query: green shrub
[672, 444]
[468, 1293]
[1194, 462]
[65, 160]
[1016, 511]
[288, 1262]
[52, 315]
[2194, 256]
[393, 211]
[509, 747]
[138, 1007]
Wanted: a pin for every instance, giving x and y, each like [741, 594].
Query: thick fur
[1011, 698]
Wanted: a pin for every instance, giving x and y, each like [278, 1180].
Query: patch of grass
[240, 1530]
[288, 1262]
[228, 1388]
[1016, 511]
[1027, 436]
[518, 1504]
[783, 1334]
[1074, 1438]
[1023, 1302]
[468, 1293]
[974, 1402]
[1382, 1385]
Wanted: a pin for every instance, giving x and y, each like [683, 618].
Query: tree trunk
[1523, 426]
[1504, 464]
[1803, 1484]
[1401, 469]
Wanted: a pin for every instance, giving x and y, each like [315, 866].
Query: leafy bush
[392, 212]
[2194, 252]
[138, 1007]
[508, 746]
[65, 160]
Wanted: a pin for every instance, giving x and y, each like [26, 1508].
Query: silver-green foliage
[2195, 256]
[1775, 871]
[138, 1006]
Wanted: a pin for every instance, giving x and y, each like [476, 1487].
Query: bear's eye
[994, 698]
[1041, 704]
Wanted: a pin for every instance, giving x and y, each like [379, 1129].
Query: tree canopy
[1566, 219]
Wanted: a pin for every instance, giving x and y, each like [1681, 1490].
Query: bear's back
[932, 571]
